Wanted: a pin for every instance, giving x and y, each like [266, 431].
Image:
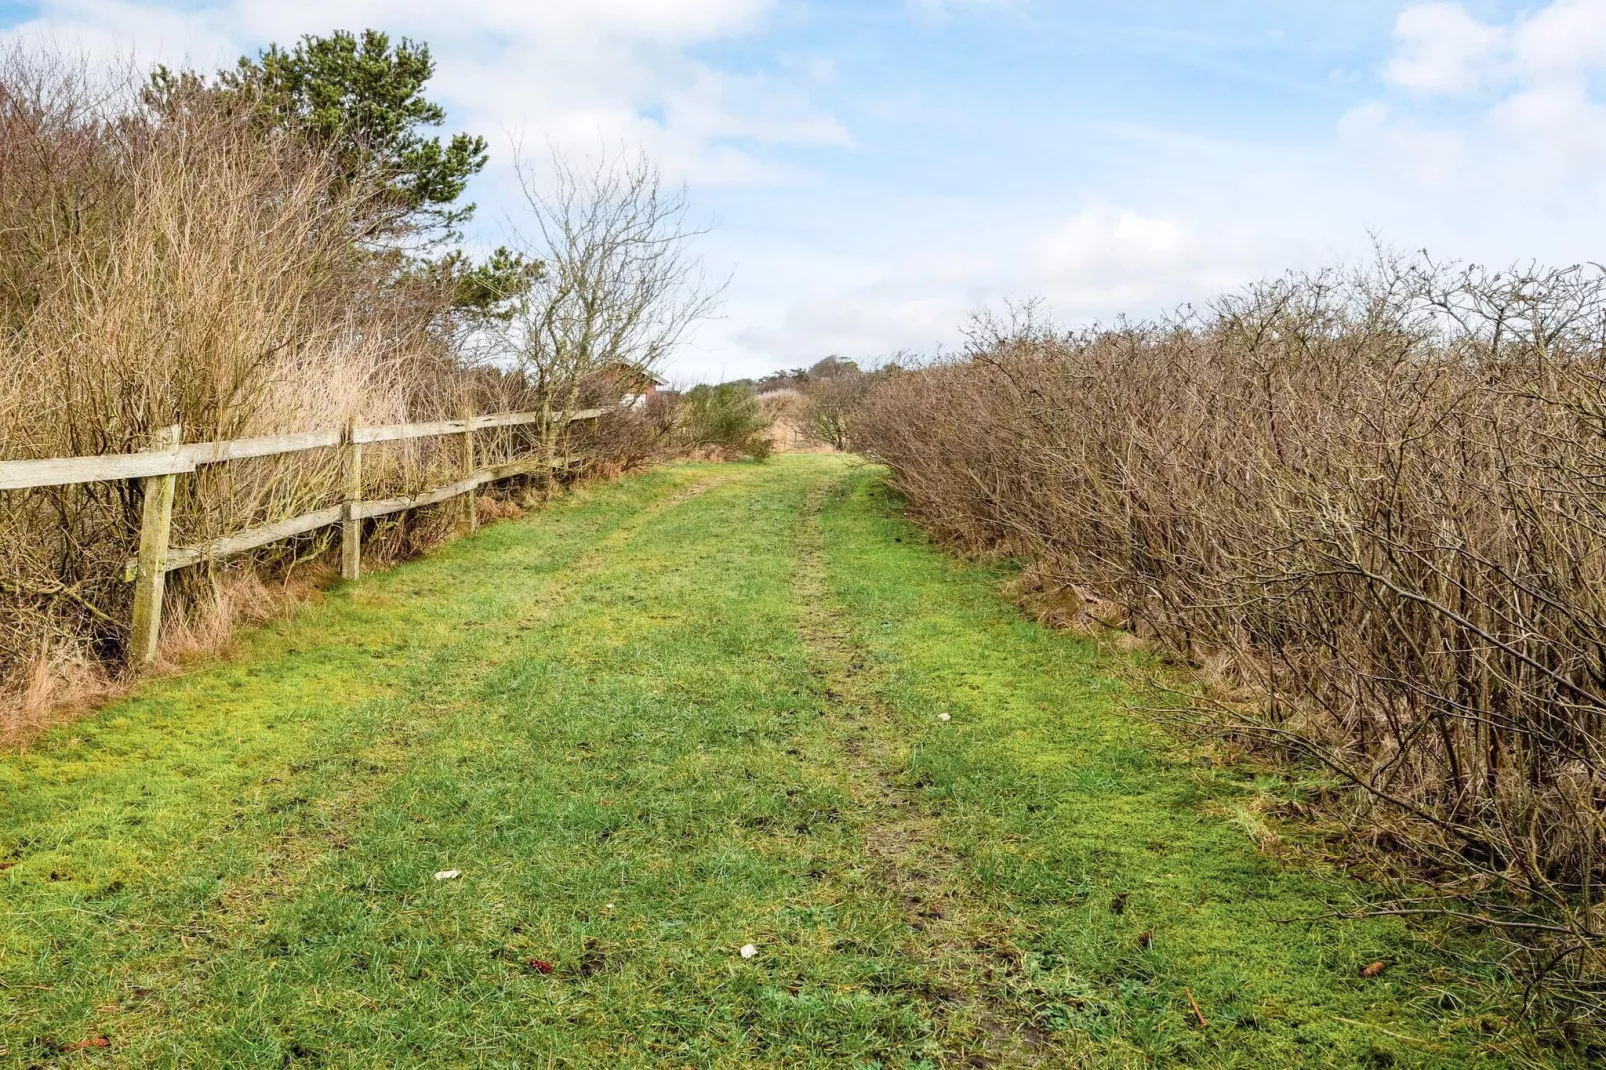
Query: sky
[875, 170]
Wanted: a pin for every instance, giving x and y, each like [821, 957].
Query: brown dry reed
[1370, 507]
[179, 265]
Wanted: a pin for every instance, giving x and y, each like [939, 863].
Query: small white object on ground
[943, 717]
[448, 874]
[748, 951]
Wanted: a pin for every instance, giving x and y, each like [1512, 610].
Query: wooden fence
[169, 458]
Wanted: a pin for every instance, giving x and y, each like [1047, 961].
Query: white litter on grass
[448, 874]
[944, 717]
[748, 951]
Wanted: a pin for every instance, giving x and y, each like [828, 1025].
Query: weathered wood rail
[169, 458]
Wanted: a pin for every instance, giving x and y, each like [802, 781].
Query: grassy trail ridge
[660, 720]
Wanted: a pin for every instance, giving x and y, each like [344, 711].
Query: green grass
[651, 724]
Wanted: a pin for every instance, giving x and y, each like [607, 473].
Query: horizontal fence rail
[159, 469]
[109, 467]
[61, 472]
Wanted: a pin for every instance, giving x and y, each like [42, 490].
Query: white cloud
[1095, 263]
[578, 73]
[1106, 243]
[1389, 142]
[1442, 49]
[1563, 41]
[1558, 129]
[1540, 124]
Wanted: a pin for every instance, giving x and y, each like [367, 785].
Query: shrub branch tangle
[1372, 507]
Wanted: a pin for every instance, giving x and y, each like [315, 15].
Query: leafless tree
[620, 286]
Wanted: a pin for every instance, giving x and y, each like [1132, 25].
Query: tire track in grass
[967, 952]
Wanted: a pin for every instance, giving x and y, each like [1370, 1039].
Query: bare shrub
[829, 405]
[828, 395]
[1370, 507]
[633, 436]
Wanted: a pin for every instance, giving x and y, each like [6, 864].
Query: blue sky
[879, 169]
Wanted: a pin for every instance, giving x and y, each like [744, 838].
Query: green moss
[622, 721]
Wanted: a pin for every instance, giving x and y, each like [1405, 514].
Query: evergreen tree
[362, 100]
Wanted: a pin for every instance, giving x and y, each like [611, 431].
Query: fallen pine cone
[84, 1045]
[1373, 970]
[1146, 938]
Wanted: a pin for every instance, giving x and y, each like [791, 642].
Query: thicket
[1370, 508]
[269, 250]
[726, 419]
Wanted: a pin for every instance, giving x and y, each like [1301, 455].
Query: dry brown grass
[787, 434]
[1370, 510]
[180, 265]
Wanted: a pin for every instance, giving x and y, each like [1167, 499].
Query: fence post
[155, 528]
[470, 506]
[350, 525]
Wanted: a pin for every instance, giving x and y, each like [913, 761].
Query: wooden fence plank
[156, 526]
[505, 419]
[62, 471]
[514, 419]
[350, 525]
[352, 512]
[392, 432]
[269, 446]
[229, 545]
[386, 506]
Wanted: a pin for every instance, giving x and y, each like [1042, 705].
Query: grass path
[656, 722]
